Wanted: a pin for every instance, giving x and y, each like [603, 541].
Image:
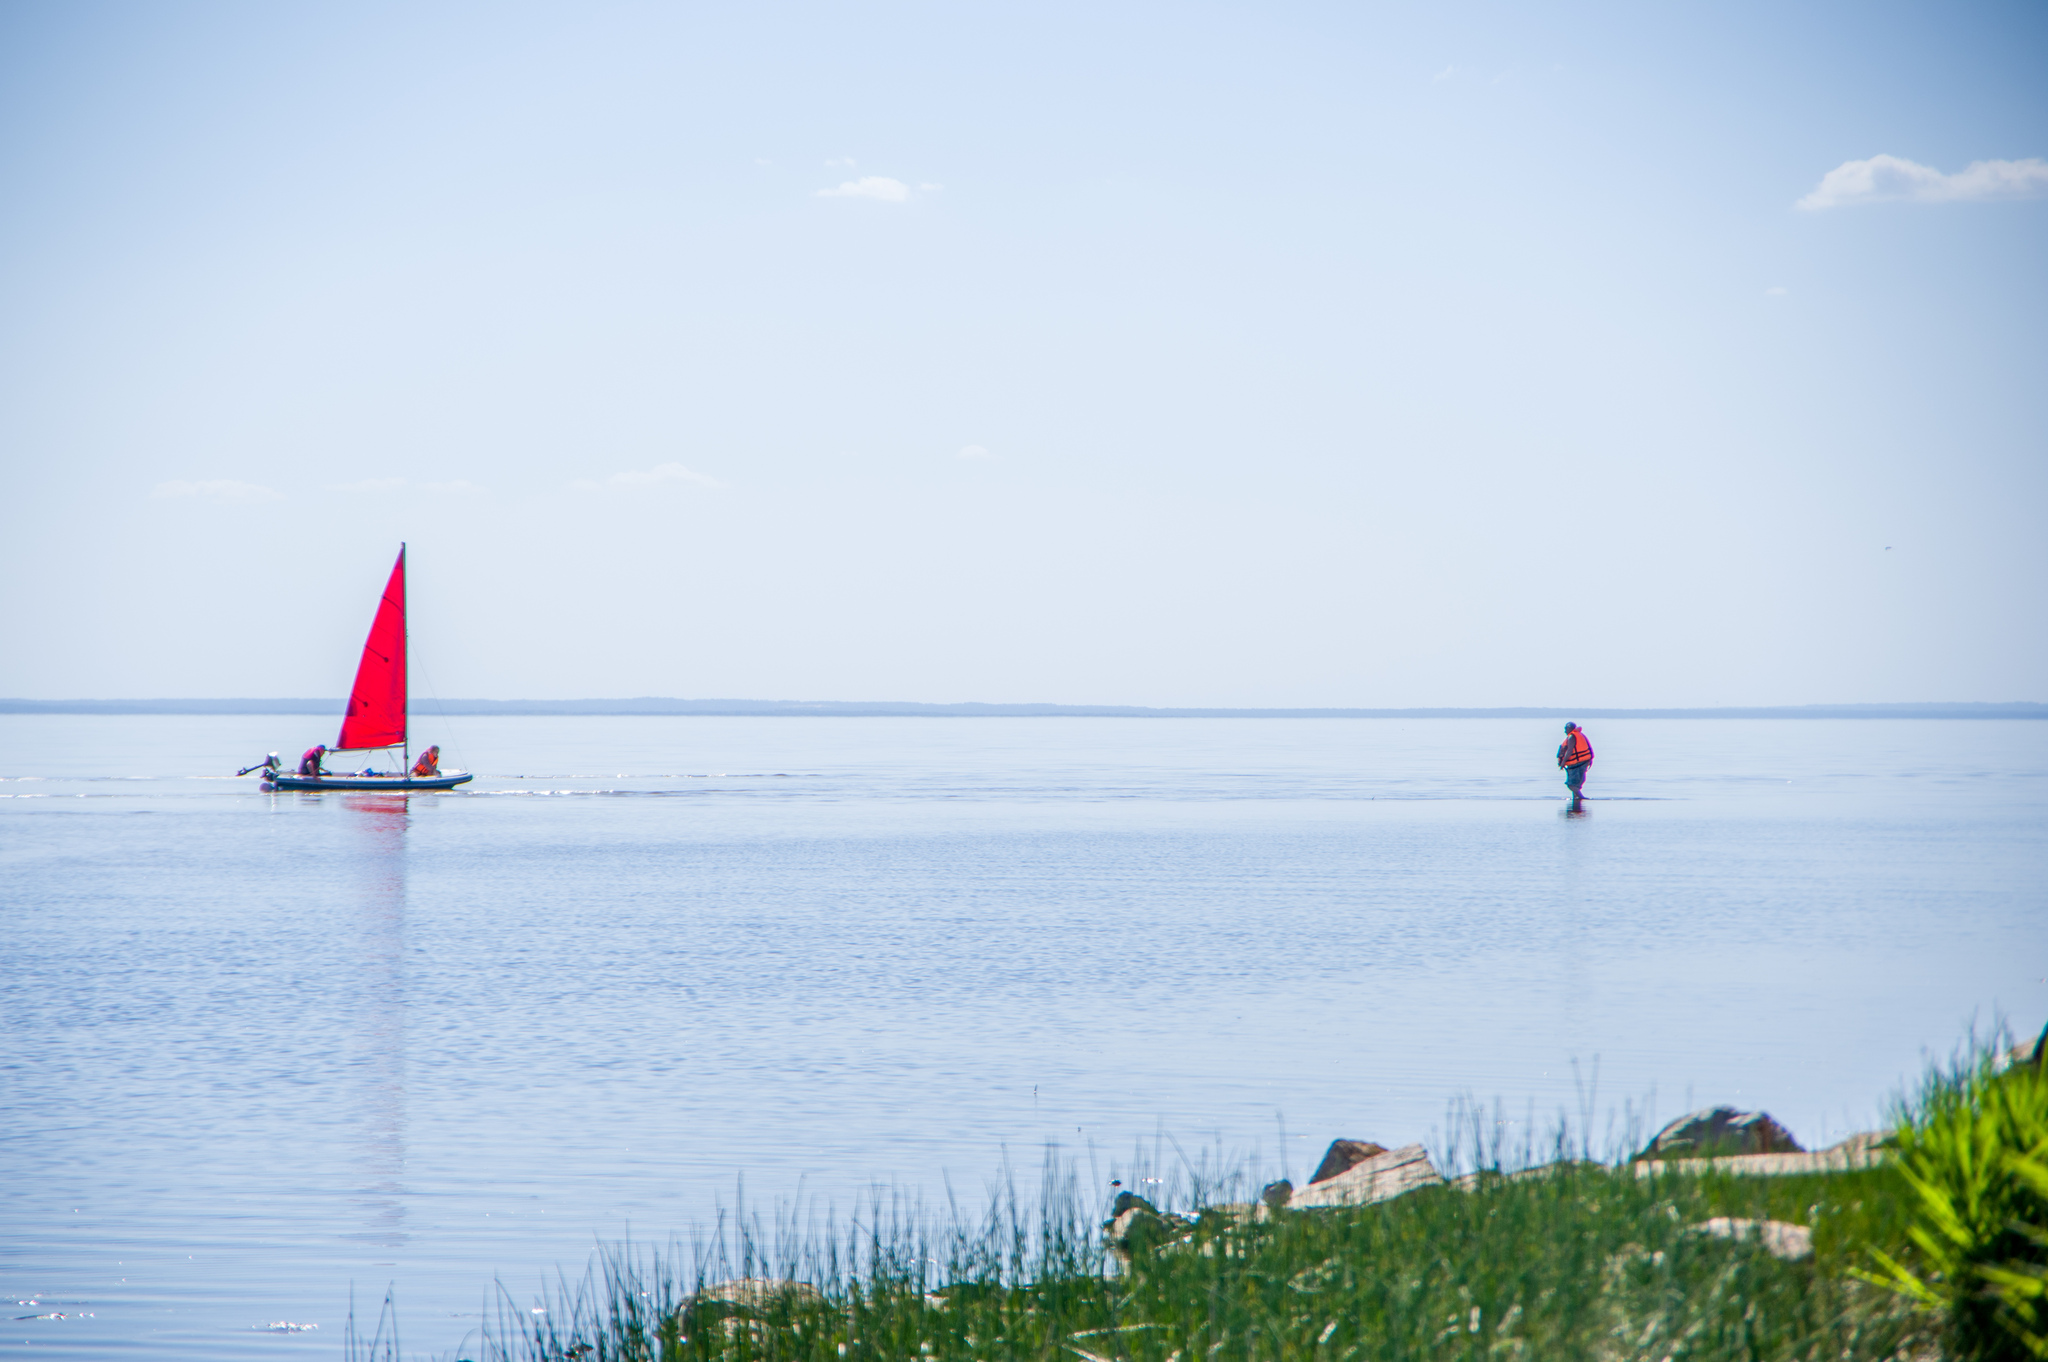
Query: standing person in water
[1575, 755]
[309, 764]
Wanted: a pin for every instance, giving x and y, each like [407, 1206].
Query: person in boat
[309, 764]
[429, 764]
[1575, 756]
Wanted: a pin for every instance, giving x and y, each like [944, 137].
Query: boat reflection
[376, 1058]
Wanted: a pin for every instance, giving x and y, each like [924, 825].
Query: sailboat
[376, 717]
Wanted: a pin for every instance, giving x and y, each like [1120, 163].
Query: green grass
[1583, 1262]
[1973, 1158]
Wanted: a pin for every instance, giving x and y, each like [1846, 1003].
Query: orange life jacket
[1577, 751]
[429, 763]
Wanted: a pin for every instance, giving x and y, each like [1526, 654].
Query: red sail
[376, 703]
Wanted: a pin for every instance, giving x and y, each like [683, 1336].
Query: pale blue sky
[1195, 354]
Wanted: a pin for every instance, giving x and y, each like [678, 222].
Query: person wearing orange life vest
[1575, 755]
[429, 764]
[309, 764]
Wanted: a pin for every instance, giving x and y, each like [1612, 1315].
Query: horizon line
[656, 706]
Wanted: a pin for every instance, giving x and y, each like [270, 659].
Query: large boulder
[1720, 1131]
[1379, 1178]
[1343, 1155]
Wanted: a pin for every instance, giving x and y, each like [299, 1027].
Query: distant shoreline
[910, 709]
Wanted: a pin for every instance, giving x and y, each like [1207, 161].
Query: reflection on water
[376, 1059]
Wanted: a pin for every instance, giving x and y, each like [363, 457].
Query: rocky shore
[1363, 1173]
[1723, 1239]
[1713, 1140]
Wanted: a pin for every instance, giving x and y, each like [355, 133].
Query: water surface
[260, 1047]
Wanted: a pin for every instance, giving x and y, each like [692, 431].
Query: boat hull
[386, 783]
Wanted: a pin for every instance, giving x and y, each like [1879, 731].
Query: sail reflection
[376, 1061]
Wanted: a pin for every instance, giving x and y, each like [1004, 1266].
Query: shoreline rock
[1721, 1131]
[1842, 1158]
[1381, 1177]
[1369, 1173]
[1344, 1155]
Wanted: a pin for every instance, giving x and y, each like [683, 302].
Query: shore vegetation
[1938, 1252]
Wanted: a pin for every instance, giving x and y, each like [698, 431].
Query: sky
[1245, 354]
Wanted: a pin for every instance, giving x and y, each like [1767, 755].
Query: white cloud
[1891, 178]
[930, 187]
[219, 489]
[1776, 292]
[378, 485]
[974, 452]
[869, 187]
[660, 473]
[841, 163]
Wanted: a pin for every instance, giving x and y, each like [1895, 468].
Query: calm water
[259, 1047]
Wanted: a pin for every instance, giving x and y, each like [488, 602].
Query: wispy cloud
[660, 473]
[1776, 291]
[841, 163]
[869, 187]
[974, 452]
[219, 489]
[1893, 179]
[375, 486]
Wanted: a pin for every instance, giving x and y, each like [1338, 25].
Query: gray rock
[1379, 1178]
[1841, 1159]
[1344, 1154]
[1140, 1228]
[1721, 1131]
